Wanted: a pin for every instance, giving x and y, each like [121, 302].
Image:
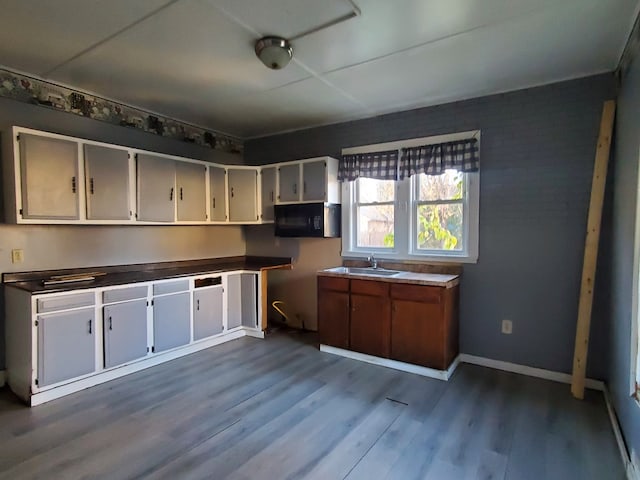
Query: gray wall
[537, 156]
[49, 247]
[615, 274]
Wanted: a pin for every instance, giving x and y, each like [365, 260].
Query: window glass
[371, 190]
[375, 226]
[448, 186]
[440, 226]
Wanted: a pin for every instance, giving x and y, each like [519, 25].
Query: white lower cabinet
[171, 321]
[66, 345]
[81, 338]
[207, 312]
[125, 332]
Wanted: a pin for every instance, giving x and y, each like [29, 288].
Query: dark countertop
[147, 272]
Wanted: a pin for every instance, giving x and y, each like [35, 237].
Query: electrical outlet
[17, 255]
[507, 327]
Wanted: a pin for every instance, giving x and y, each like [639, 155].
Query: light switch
[17, 255]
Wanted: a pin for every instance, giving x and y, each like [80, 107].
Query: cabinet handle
[180, 193]
[110, 324]
[214, 202]
[73, 184]
[91, 185]
[304, 187]
[171, 195]
[295, 188]
[89, 327]
[272, 195]
[232, 191]
[198, 305]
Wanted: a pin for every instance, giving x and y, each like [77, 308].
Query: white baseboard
[385, 362]
[632, 470]
[529, 371]
[3, 378]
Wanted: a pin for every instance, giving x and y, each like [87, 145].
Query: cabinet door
[125, 332]
[370, 325]
[314, 181]
[417, 333]
[218, 194]
[333, 318]
[49, 177]
[268, 193]
[66, 345]
[242, 301]
[191, 191]
[171, 321]
[243, 189]
[156, 188]
[107, 183]
[288, 183]
[207, 312]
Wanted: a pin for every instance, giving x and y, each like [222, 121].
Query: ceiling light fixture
[274, 52]
[277, 52]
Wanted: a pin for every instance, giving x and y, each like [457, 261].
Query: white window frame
[405, 222]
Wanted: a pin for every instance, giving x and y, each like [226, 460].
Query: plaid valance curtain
[379, 165]
[461, 155]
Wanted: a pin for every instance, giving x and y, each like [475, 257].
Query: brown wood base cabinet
[410, 323]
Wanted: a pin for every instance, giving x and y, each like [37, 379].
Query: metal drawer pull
[214, 202]
[110, 324]
[180, 193]
[171, 194]
[89, 327]
[73, 184]
[198, 305]
[91, 185]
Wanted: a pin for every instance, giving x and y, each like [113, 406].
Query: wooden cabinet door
[106, 183]
[125, 332]
[50, 182]
[314, 181]
[66, 345]
[217, 179]
[417, 333]
[156, 188]
[243, 189]
[171, 321]
[191, 191]
[333, 318]
[289, 183]
[268, 193]
[370, 329]
[207, 312]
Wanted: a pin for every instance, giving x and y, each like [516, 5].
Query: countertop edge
[413, 281]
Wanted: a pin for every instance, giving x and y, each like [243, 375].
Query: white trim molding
[529, 371]
[395, 364]
[631, 466]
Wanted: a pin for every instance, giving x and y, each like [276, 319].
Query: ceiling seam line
[108, 38]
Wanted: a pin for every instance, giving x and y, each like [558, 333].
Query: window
[423, 217]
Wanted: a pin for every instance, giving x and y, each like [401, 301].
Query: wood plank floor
[280, 409]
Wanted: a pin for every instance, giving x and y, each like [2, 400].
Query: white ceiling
[193, 60]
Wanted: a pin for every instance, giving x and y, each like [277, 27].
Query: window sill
[451, 259]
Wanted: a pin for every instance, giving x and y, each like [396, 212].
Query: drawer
[65, 302]
[333, 283]
[416, 293]
[370, 287]
[122, 294]
[170, 287]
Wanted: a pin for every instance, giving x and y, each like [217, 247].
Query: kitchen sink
[376, 272]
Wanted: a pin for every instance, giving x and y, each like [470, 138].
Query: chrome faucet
[373, 261]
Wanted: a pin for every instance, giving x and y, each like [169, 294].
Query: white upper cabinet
[156, 188]
[49, 180]
[107, 183]
[268, 193]
[289, 183]
[311, 180]
[191, 184]
[218, 193]
[243, 195]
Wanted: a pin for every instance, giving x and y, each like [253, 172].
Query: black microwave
[308, 220]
